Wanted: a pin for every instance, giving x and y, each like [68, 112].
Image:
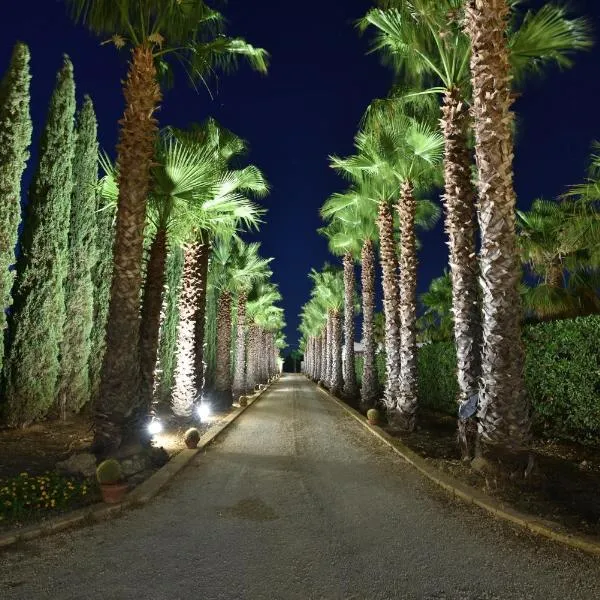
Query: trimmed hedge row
[562, 375]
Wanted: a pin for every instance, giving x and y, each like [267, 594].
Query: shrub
[373, 415]
[562, 373]
[191, 437]
[438, 386]
[25, 495]
[109, 472]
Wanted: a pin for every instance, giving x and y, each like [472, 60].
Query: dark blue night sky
[308, 107]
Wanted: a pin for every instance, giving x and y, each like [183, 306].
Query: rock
[158, 456]
[79, 464]
[481, 465]
[135, 464]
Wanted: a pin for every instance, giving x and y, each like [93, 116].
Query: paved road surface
[298, 501]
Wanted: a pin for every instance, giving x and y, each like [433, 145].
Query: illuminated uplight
[155, 427]
[203, 410]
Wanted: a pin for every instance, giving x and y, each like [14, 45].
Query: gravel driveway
[298, 501]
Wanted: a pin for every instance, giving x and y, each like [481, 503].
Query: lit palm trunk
[120, 379]
[202, 259]
[223, 362]
[369, 388]
[407, 402]
[184, 390]
[150, 320]
[459, 201]
[389, 263]
[350, 385]
[503, 414]
[239, 376]
[336, 353]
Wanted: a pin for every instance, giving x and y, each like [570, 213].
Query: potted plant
[243, 400]
[373, 416]
[191, 438]
[110, 478]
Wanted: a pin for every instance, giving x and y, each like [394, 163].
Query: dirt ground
[37, 449]
[564, 486]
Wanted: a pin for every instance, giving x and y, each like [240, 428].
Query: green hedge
[562, 375]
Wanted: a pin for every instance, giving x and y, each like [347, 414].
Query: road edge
[548, 529]
[140, 495]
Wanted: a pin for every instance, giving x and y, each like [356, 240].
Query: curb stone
[548, 529]
[139, 496]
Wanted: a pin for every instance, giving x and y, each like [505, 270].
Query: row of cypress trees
[55, 273]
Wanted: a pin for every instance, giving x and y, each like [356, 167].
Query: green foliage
[74, 380]
[15, 137]
[191, 437]
[101, 278]
[32, 365]
[562, 375]
[438, 385]
[379, 365]
[109, 472]
[562, 372]
[26, 495]
[170, 320]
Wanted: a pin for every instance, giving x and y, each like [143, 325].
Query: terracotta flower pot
[191, 444]
[113, 493]
[373, 421]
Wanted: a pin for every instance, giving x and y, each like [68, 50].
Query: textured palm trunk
[389, 262]
[555, 275]
[461, 224]
[185, 385]
[202, 250]
[350, 384]
[408, 400]
[251, 364]
[114, 421]
[337, 380]
[151, 315]
[330, 348]
[370, 388]
[223, 362]
[503, 414]
[318, 358]
[325, 354]
[239, 375]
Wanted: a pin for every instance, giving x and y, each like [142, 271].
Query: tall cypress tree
[101, 278]
[32, 363]
[74, 381]
[15, 137]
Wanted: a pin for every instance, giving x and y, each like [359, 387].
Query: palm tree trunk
[330, 348]
[239, 376]
[251, 366]
[555, 275]
[318, 358]
[337, 381]
[223, 396]
[151, 311]
[389, 262]
[408, 400]
[350, 385]
[459, 201]
[202, 250]
[185, 386]
[370, 387]
[324, 346]
[504, 420]
[120, 378]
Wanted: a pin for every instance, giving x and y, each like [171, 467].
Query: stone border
[139, 496]
[548, 529]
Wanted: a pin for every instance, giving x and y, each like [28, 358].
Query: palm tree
[329, 291]
[235, 268]
[311, 326]
[355, 235]
[404, 153]
[425, 43]
[156, 30]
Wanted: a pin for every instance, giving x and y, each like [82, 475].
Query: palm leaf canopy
[328, 287]
[188, 30]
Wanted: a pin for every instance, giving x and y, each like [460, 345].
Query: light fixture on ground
[203, 411]
[155, 427]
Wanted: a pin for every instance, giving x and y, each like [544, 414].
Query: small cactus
[109, 472]
[373, 415]
[191, 437]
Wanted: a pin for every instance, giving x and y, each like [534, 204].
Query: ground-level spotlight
[203, 411]
[155, 427]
